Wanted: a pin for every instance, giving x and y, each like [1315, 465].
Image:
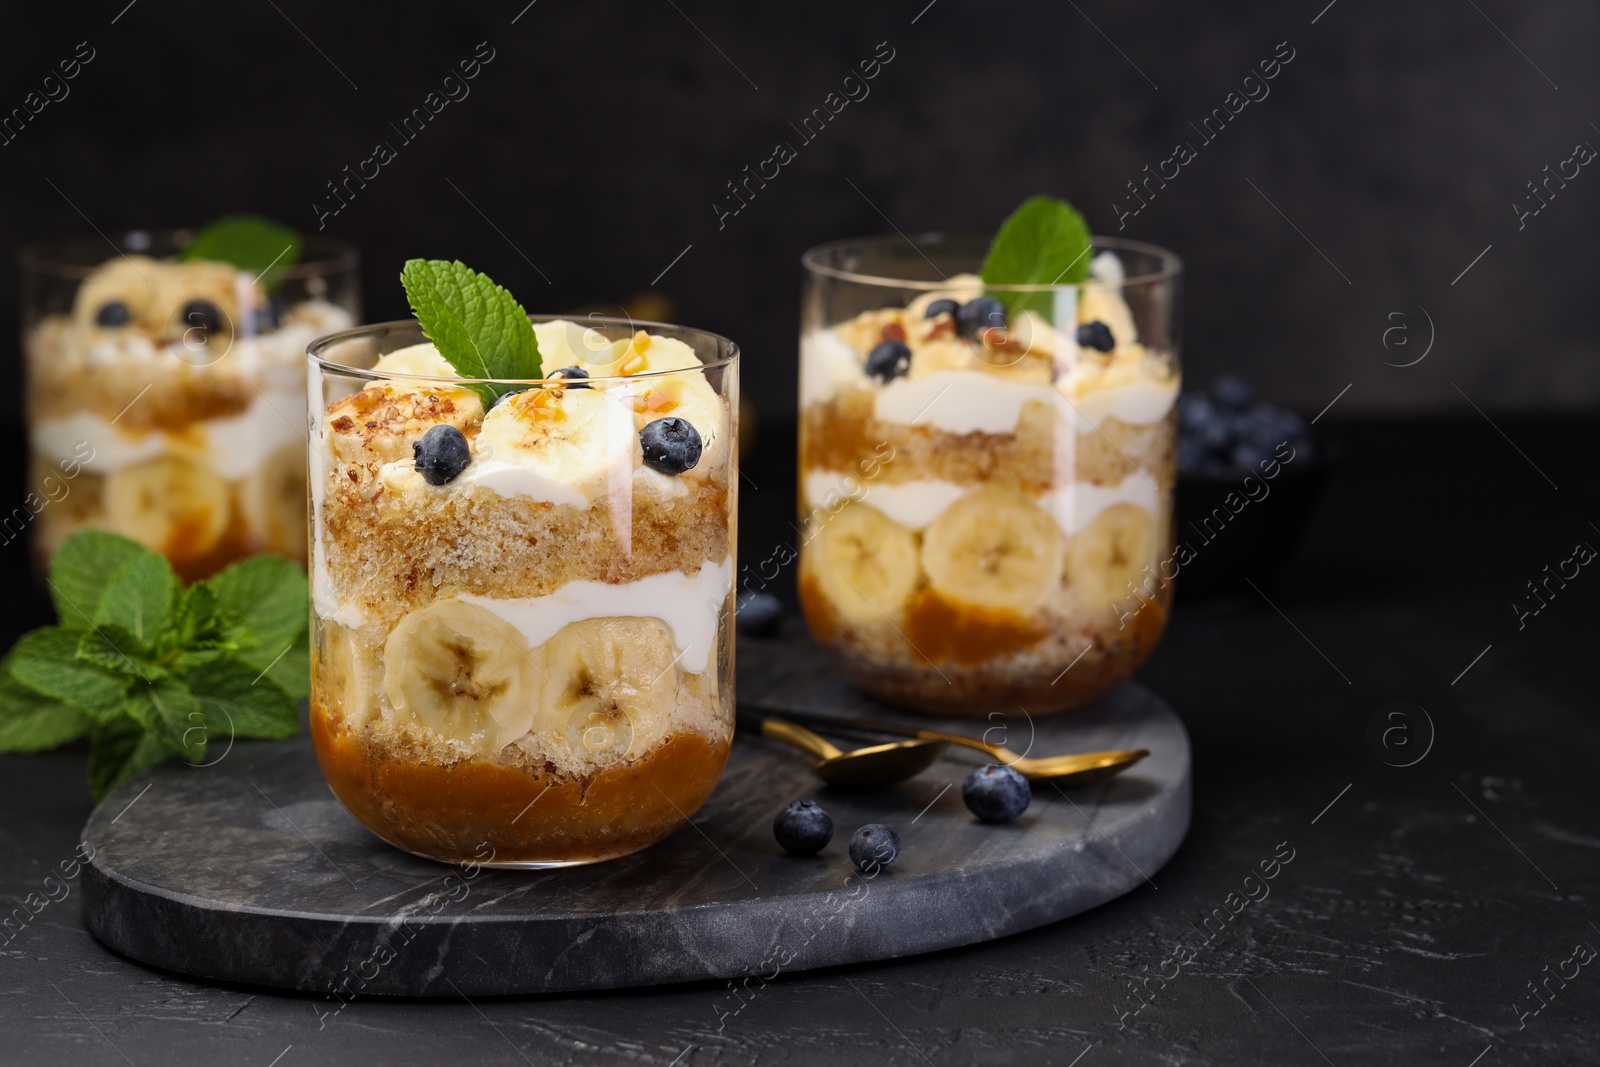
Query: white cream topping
[690, 606]
[959, 401]
[828, 365]
[915, 505]
[1107, 267]
[1075, 504]
[234, 446]
[1138, 403]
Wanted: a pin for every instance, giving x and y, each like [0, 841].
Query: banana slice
[344, 675]
[1110, 553]
[273, 502]
[865, 564]
[174, 505]
[378, 425]
[462, 672]
[994, 548]
[583, 438]
[564, 343]
[1103, 303]
[127, 280]
[608, 685]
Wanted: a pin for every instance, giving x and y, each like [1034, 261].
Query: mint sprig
[258, 246]
[1044, 242]
[478, 327]
[147, 668]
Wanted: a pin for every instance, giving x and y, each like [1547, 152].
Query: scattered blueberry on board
[1227, 429]
[670, 445]
[803, 828]
[874, 846]
[979, 314]
[759, 615]
[888, 360]
[996, 794]
[441, 454]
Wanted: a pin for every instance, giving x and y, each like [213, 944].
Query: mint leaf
[121, 750]
[1044, 242]
[194, 621]
[81, 569]
[170, 712]
[238, 699]
[269, 598]
[111, 648]
[291, 671]
[253, 244]
[31, 722]
[477, 326]
[46, 662]
[138, 599]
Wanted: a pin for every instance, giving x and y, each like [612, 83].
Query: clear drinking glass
[164, 398]
[987, 488]
[530, 663]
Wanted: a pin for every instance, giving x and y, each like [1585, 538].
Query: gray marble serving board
[250, 871]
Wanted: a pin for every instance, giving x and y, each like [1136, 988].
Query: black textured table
[1419, 904]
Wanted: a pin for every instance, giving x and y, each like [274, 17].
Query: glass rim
[315, 348]
[812, 261]
[42, 255]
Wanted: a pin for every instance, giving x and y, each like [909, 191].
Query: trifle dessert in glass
[987, 471]
[521, 648]
[166, 383]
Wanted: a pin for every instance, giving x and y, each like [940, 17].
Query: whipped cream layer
[234, 446]
[917, 504]
[691, 606]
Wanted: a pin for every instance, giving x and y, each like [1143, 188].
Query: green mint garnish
[147, 668]
[1044, 242]
[257, 246]
[477, 326]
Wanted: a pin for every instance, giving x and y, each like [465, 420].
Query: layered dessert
[167, 405]
[522, 641]
[987, 494]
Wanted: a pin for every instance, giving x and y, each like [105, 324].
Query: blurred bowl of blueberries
[1249, 476]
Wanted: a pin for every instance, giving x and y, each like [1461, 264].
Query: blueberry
[113, 313]
[942, 307]
[803, 828]
[1096, 335]
[671, 445]
[569, 374]
[874, 846]
[996, 794]
[441, 454]
[888, 359]
[203, 315]
[1192, 454]
[1230, 393]
[759, 615]
[981, 314]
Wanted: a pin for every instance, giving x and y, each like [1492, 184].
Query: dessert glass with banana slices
[987, 470]
[165, 395]
[522, 651]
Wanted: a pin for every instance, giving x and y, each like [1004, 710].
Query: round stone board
[250, 871]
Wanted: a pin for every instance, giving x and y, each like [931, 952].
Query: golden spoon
[874, 765]
[1072, 769]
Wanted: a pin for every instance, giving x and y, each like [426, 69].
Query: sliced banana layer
[607, 686]
[1104, 303]
[866, 564]
[579, 440]
[273, 500]
[346, 675]
[995, 549]
[1110, 555]
[174, 505]
[463, 673]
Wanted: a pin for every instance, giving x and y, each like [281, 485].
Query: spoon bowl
[862, 768]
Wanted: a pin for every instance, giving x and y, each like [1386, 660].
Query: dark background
[600, 135]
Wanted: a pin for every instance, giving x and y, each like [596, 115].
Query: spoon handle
[999, 752]
[787, 732]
